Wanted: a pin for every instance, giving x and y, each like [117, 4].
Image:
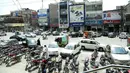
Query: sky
[10, 5]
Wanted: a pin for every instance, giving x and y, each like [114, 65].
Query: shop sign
[111, 21]
[91, 22]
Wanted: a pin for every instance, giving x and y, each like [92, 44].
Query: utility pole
[122, 18]
[42, 4]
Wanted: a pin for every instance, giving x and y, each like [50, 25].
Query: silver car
[117, 54]
[123, 35]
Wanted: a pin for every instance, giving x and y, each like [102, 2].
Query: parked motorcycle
[66, 69]
[42, 66]
[86, 63]
[74, 65]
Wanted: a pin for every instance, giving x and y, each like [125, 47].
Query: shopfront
[11, 27]
[76, 27]
[112, 20]
[112, 25]
[93, 25]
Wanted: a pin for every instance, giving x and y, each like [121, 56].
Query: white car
[67, 51]
[30, 35]
[53, 49]
[117, 54]
[90, 44]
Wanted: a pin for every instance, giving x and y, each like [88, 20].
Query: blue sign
[42, 15]
[76, 24]
[93, 22]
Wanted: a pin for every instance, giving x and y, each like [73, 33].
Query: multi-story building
[53, 13]
[112, 20]
[127, 18]
[43, 18]
[63, 15]
[17, 20]
[93, 15]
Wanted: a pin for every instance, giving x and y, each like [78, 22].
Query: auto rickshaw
[62, 41]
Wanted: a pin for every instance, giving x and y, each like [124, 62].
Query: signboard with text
[76, 15]
[42, 17]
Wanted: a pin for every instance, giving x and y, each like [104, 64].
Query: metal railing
[106, 67]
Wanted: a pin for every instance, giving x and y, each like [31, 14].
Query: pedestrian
[38, 42]
[46, 52]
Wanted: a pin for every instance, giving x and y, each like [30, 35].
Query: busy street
[20, 67]
[64, 36]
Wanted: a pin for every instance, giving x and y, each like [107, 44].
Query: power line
[15, 4]
[19, 4]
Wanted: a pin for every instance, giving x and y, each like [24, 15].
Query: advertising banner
[76, 14]
[111, 15]
[93, 22]
[42, 17]
[42, 13]
[94, 15]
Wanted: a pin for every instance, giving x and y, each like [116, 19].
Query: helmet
[86, 60]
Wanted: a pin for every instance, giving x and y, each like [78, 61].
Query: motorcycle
[42, 66]
[13, 57]
[86, 63]
[104, 61]
[74, 65]
[44, 37]
[66, 69]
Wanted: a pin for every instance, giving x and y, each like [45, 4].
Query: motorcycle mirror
[44, 45]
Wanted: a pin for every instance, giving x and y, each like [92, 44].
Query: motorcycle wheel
[66, 70]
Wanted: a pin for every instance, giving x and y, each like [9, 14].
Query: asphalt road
[20, 67]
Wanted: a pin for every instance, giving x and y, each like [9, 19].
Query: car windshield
[53, 46]
[119, 50]
[70, 47]
[31, 41]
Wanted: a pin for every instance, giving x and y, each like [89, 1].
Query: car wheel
[100, 49]
[82, 47]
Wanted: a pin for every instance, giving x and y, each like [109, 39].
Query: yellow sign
[17, 24]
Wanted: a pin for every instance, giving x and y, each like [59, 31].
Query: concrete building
[19, 20]
[63, 15]
[53, 13]
[93, 15]
[127, 18]
[43, 18]
[112, 20]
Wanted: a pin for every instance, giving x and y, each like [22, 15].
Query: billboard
[42, 13]
[76, 14]
[111, 15]
[94, 15]
[42, 17]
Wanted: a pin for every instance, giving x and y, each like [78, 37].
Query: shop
[14, 27]
[112, 25]
[112, 20]
[76, 28]
[93, 25]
